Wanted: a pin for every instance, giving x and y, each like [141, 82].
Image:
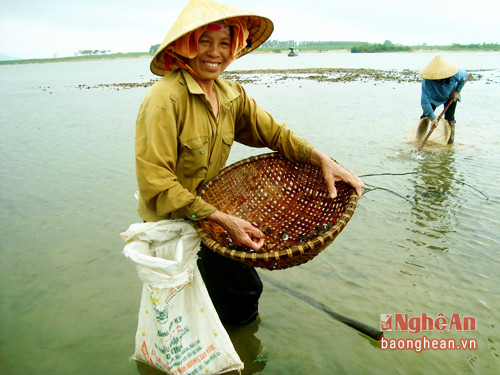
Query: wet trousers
[234, 287]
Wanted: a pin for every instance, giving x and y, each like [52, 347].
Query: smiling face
[214, 55]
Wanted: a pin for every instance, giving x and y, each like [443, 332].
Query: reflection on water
[434, 184]
[248, 347]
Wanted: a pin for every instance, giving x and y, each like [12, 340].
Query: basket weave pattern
[288, 201]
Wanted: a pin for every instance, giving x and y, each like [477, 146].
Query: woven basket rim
[318, 242]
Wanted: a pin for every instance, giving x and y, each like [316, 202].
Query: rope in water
[408, 173]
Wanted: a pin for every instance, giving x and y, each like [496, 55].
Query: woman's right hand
[242, 233]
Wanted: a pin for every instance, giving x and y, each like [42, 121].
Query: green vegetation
[461, 47]
[386, 47]
[363, 47]
[389, 47]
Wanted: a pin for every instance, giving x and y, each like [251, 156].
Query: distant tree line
[359, 47]
[387, 46]
[277, 45]
[294, 43]
[280, 44]
[87, 52]
[474, 46]
[355, 47]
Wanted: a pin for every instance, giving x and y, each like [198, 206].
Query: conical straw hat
[199, 13]
[439, 68]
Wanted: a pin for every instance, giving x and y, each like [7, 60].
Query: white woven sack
[179, 331]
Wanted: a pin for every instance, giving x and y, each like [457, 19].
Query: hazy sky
[49, 28]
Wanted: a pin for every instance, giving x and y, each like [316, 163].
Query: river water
[424, 238]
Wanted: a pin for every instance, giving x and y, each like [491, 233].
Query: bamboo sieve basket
[288, 201]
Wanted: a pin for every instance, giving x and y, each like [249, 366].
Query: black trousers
[234, 287]
[449, 115]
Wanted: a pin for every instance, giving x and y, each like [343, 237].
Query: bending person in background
[185, 128]
[442, 82]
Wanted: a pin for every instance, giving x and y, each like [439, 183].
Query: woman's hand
[332, 172]
[242, 233]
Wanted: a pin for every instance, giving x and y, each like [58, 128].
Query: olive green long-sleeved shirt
[180, 145]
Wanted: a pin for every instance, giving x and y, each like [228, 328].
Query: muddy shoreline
[322, 75]
[269, 76]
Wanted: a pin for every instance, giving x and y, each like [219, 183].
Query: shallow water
[424, 238]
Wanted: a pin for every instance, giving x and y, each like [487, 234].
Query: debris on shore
[267, 76]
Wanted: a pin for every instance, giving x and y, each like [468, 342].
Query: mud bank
[269, 76]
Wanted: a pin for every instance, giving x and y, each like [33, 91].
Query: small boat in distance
[293, 52]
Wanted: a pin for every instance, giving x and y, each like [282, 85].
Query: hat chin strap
[170, 58]
[248, 47]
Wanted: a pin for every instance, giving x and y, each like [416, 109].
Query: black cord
[435, 174]
[390, 191]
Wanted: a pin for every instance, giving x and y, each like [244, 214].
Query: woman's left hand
[333, 172]
[242, 233]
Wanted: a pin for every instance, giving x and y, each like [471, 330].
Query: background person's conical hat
[199, 13]
[439, 68]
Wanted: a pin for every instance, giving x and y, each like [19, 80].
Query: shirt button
[193, 216]
[201, 151]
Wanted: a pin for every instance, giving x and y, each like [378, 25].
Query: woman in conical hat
[184, 132]
[442, 82]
